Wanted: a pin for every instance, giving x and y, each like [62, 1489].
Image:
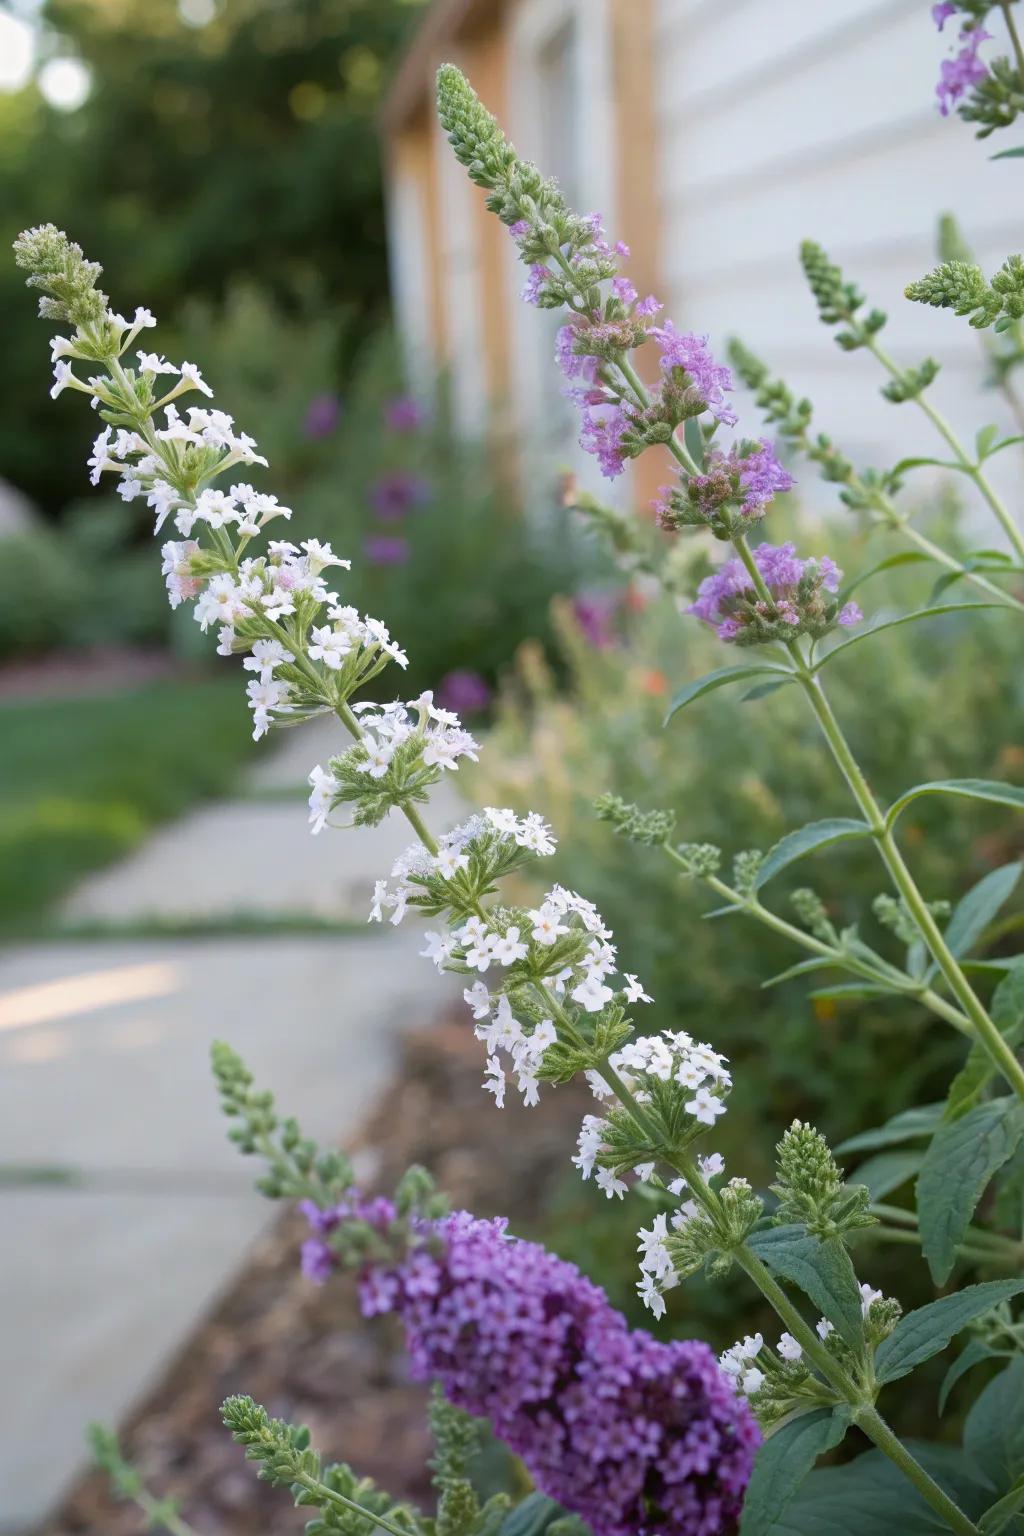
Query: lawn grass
[83, 780]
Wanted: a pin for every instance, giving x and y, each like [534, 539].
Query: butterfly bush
[990, 93]
[628, 1434]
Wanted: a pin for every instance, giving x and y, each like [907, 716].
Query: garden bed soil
[304, 1351]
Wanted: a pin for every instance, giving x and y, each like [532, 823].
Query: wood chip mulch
[303, 1351]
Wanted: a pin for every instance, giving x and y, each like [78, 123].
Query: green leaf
[849, 989]
[927, 1330]
[808, 839]
[783, 1462]
[998, 1516]
[920, 461]
[1005, 442]
[762, 690]
[984, 438]
[994, 1432]
[531, 1516]
[822, 1270]
[966, 789]
[972, 1354]
[906, 1126]
[903, 557]
[694, 439]
[975, 911]
[887, 1171]
[802, 968]
[960, 1161]
[871, 1497]
[712, 680]
[1007, 1013]
[882, 623]
[1009, 154]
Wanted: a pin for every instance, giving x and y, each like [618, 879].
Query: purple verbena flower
[964, 69]
[602, 435]
[386, 549]
[802, 598]
[735, 485]
[627, 1432]
[692, 355]
[942, 12]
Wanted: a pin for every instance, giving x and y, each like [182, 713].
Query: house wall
[818, 120]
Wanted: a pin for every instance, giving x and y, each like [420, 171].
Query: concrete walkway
[124, 1211]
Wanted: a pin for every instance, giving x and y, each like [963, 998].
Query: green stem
[874, 1426]
[986, 1033]
[1011, 27]
[841, 958]
[943, 557]
[327, 1495]
[945, 431]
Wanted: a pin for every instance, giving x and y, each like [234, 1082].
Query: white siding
[409, 262]
[802, 119]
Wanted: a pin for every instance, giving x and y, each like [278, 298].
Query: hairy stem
[986, 1033]
[874, 1426]
[1006, 6]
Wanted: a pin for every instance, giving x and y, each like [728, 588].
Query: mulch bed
[304, 1352]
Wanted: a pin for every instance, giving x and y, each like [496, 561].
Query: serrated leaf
[783, 1462]
[808, 839]
[973, 913]
[972, 1354]
[906, 1126]
[961, 1159]
[994, 1432]
[822, 1270]
[883, 623]
[991, 790]
[720, 679]
[871, 1497]
[998, 1517]
[887, 1171]
[927, 1330]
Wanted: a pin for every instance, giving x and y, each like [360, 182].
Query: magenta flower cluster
[727, 599]
[738, 484]
[631, 1434]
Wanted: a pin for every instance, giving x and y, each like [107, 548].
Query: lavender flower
[802, 598]
[964, 69]
[386, 549]
[734, 487]
[942, 12]
[627, 1432]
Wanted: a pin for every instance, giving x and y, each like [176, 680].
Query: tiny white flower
[867, 1296]
[789, 1349]
[823, 1328]
[324, 787]
[752, 1381]
[634, 991]
[450, 860]
[478, 999]
[546, 927]
[705, 1107]
[651, 1296]
[494, 1081]
[509, 948]
[152, 362]
[438, 947]
[605, 1179]
[592, 994]
[190, 373]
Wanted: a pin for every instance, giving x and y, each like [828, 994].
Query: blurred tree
[221, 138]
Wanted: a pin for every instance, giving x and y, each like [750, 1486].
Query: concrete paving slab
[104, 1072]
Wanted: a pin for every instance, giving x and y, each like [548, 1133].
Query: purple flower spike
[404, 414]
[802, 598]
[692, 354]
[627, 1432]
[958, 74]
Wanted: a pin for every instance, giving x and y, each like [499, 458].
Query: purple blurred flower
[627, 1432]
[395, 493]
[404, 414]
[964, 69]
[463, 691]
[386, 549]
[942, 12]
[802, 593]
[594, 613]
[322, 416]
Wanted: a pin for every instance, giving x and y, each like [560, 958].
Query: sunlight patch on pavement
[86, 992]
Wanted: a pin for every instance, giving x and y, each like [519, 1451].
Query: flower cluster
[629, 1433]
[965, 69]
[801, 598]
[732, 491]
